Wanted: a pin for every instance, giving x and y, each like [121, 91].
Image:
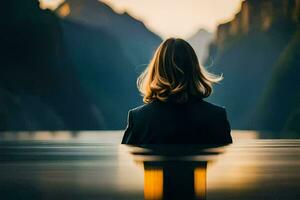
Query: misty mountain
[61, 74]
[247, 50]
[39, 88]
[136, 41]
[200, 42]
[279, 107]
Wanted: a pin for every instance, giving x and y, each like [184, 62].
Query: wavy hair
[174, 73]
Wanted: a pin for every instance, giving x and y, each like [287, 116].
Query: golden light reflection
[153, 184]
[64, 10]
[200, 182]
[37, 135]
[240, 164]
[245, 134]
[130, 174]
[235, 167]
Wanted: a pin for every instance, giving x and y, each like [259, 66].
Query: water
[92, 165]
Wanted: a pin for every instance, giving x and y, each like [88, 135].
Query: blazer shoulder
[143, 108]
[215, 109]
[214, 106]
[136, 110]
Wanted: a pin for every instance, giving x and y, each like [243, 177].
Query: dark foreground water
[92, 165]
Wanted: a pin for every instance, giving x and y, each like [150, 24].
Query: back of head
[174, 74]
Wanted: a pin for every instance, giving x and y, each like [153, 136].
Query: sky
[178, 18]
[173, 18]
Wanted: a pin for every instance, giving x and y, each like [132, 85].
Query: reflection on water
[92, 165]
[87, 135]
[174, 173]
[69, 136]
[174, 180]
[116, 136]
[200, 181]
[153, 182]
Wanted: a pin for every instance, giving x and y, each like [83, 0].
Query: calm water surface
[92, 165]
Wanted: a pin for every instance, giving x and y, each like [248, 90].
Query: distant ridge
[136, 40]
[200, 42]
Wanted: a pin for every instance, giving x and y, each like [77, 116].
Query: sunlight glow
[180, 18]
[64, 10]
[169, 18]
[50, 4]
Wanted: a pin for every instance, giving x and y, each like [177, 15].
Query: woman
[173, 86]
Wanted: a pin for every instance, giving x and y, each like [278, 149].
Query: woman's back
[173, 87]
[194, 122]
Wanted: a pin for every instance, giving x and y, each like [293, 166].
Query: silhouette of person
[174, 86]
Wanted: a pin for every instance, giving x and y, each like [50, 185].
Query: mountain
[200, 42]
[246, 50]
[39, 88]
[279, 108]
[108, 51]
[135, 39]
[58, 73]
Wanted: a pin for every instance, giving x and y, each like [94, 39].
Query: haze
[180, 18]
[169, 18]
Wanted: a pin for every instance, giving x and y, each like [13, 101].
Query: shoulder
[144, 108]
[214, 108]
[145, 111]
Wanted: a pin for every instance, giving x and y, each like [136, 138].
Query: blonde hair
[174, 73]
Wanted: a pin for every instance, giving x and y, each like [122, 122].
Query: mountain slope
[105, 73]
[39, 89]
[280, 108]
[135, 39]
[62, 74]
[245, 50]
[200, 42]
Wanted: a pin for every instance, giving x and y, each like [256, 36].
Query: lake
[93, 165]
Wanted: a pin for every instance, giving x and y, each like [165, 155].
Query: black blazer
[195, 122]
